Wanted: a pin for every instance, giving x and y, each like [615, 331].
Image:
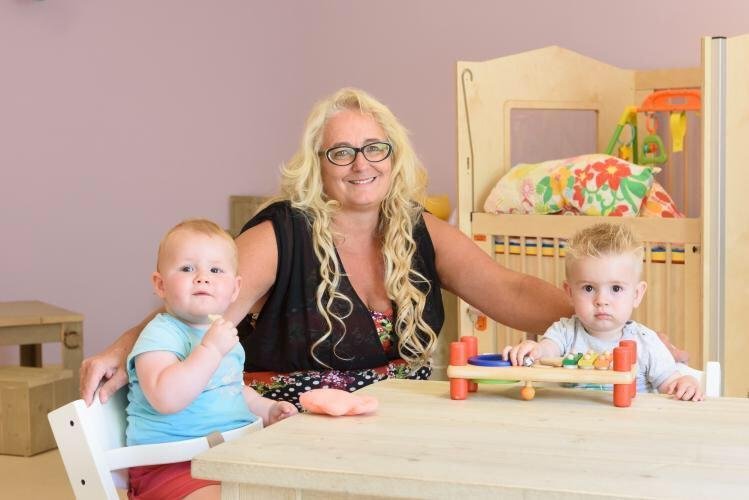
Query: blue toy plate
[488, 360]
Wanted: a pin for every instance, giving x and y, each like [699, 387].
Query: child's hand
[516, 354]
[221, 336]
[281, 410]
[685, 388]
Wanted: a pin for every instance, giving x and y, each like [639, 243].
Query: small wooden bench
[27, 394]
[31, 323]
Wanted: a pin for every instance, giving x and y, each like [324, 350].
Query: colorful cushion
[594, 184]
[517, 191]
[658, 203]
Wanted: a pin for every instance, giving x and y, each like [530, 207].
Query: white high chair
[91, 440]
[709, 379]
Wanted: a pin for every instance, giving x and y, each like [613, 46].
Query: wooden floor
[40, 476]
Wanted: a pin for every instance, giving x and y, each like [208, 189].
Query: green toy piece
[653, 151]
[570, 360]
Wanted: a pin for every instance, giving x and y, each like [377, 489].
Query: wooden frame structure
[558, 79]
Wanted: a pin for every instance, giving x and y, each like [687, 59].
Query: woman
[343, 273]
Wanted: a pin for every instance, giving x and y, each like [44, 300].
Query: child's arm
[171, 385]
[269, 410]
[544, 349]
[683, 387]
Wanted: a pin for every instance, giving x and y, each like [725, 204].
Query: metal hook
[469, 161]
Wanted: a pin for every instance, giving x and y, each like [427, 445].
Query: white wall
[118, 119]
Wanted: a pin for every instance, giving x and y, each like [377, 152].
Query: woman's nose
[359, 161]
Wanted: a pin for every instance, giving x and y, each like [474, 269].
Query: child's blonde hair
[199, 226]
[603, 239]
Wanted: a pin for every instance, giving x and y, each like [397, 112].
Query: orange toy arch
[672, 100]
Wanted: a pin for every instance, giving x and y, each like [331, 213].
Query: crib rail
[534, 244]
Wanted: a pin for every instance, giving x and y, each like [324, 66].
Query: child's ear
[158, 284]
[237, 286]
[567, 289]
[640, 292]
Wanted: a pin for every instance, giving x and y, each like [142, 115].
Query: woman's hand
[680, 356]
[107, 369]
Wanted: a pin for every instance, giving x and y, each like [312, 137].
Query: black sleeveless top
[280, 337]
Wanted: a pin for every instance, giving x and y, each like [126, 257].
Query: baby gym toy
[676, 103]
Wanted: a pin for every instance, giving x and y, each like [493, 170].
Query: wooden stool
[26, 396]
[29, 324]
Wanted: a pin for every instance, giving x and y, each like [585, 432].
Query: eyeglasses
[346, 155]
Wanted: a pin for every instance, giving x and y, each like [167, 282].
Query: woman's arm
[108, 367]
[258, 262]
[514, 299]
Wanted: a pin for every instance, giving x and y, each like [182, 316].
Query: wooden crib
[579, 101]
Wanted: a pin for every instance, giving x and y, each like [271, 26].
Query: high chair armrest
[172, 452]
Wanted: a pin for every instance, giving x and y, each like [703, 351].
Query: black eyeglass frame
[356, 151]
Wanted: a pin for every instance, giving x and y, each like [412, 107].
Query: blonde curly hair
[301, 185]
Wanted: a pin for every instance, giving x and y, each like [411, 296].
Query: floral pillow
[516, 191]
[594, 184]
[658, 203]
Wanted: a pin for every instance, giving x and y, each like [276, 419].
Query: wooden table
[564, 444]
[31, 323]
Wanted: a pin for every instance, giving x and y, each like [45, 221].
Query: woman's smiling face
[362, 184]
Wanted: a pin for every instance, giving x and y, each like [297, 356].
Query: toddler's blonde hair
[601, 240]
[200, 226]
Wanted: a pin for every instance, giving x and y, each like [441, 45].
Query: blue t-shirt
[220, 407]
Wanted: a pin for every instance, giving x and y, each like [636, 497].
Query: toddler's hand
[686, 388]
[516, 354]
[221, 336]
[281, 410]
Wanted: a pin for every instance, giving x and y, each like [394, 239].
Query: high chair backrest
[709, 378]
[91, 440]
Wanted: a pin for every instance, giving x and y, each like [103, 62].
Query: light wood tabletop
[34, 312]
[564, 444]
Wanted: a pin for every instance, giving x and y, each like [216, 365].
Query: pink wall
[117, 119]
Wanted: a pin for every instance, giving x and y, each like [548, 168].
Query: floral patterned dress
[288, 386]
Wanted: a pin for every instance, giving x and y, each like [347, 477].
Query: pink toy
[337, 402]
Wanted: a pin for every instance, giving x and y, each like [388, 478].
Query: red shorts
[164, 481]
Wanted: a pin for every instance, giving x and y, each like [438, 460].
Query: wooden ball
[527, 393]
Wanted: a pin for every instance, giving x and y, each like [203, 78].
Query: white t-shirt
[655, 362]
